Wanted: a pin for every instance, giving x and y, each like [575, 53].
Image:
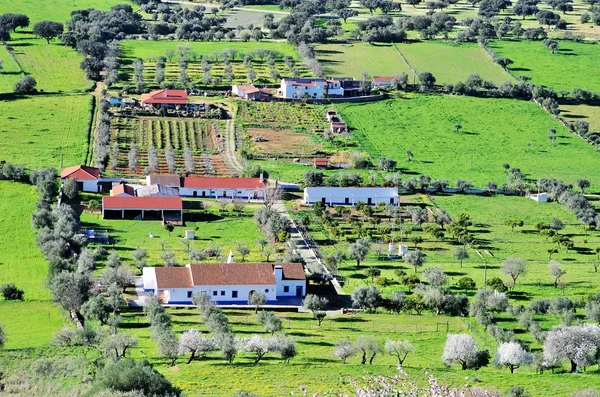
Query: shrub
[11, 293]
[497, 284]
[25, 86]
[466, 283]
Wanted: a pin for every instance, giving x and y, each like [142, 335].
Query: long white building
[351, 195]
[226, 283]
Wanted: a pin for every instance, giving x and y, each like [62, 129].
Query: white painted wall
[350, 195]
[217, 193]
[180, 295]
[288, 90]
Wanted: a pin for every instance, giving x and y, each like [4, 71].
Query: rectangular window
[189, 294]
[222, 293]
[214, 293]
[286, 288]
[234, 294]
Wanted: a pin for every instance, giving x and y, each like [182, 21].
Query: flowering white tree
[459, 348]
[435, 276]
[512, 355]
[399, 348]
[193, 342]
[577, 344]
[344, 349]
[260, 346]
[496, 301]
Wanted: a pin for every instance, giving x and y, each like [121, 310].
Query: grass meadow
[11, 72]
[588, 113]
[451, 63]
[41, 131]
[494, 131]
[574, 65]
[316, 369]
[55, 10]
[213, 229]
[351, 60]
[54, 66]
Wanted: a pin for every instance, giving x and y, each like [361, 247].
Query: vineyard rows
[198, 135]
[284, 114]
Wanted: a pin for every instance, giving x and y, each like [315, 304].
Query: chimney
[262, 179]
[278, 272]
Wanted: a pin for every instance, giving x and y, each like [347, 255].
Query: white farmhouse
[231, 188]
[227, 283]
[88, 179]
[303, 88]
[351, 195]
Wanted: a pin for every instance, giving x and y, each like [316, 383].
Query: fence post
[447, 326]
[373, 325]
[394, 327]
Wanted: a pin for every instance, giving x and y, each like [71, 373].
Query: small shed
[321, 163]
[190, 234]
[339, 128]
[539, 197]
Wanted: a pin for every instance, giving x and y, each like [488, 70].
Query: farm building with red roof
[166, 209]
[88, 179]
[382, 81]
[227, 283]
[232, 188]
[165, 98]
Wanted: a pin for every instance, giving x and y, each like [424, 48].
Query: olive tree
[460, 254]
[435, 276]
[344, 349]
[193, 342]
[257, 299]
[514, 268]
[556, 271]
[316, 304]
[512, 355]
[359, 250]
[367, 345]
[366, 297]
[415, 258]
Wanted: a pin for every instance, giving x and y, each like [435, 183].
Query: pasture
[10, 73]
[315, 367]
[55, 10]
[588, 113]
[54, 66]
[21, 261]
[351, 60]
[225, 230]
[451, 63]
[574, 65]
[44, 130]
[494, 131]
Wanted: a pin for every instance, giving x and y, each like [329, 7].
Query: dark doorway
[299, 291]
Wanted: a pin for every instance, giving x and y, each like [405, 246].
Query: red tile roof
[321, 162]
[146, 203]
[173, 277]
[81, 172]
[122, 189]
[243, 273]
[383, 79]
[338, 125]
[195, 182]
[177, 97]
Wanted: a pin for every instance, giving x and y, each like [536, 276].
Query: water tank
[403, 250]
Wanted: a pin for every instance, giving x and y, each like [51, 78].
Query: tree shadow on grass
[349, 319]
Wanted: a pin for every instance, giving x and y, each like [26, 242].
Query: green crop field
[451, 63]
[494, 131]
[589, 113]
[39, 131]
[351, 60]
[574, 65]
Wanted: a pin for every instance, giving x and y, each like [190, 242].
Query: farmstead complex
[274, 198]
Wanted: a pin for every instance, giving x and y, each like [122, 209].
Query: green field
[29, 325]
[588, 113]
[351, 60]
[10, 73]
[494, 131]
[40, 131]
[574, 65]
[21, 261]
[451, 63]
[316, 368]
[214, 229]
[54, 66]
[55, 10]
